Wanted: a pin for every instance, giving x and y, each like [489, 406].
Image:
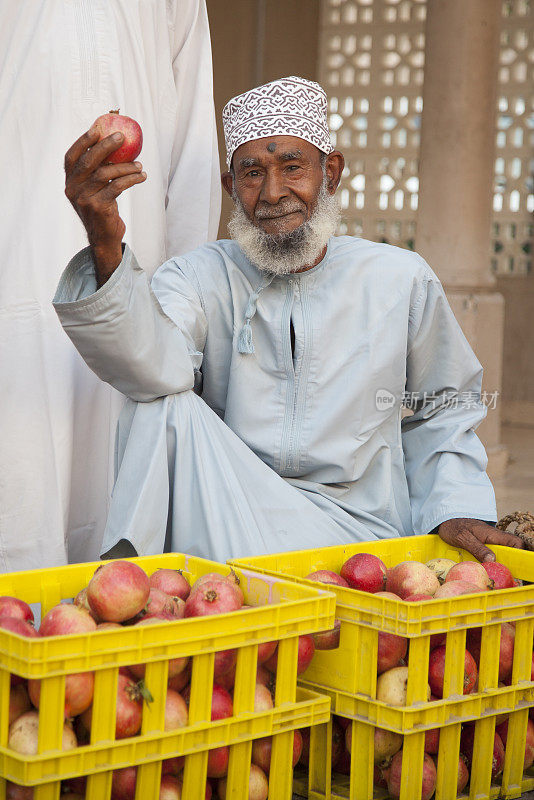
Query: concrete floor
[515, 491]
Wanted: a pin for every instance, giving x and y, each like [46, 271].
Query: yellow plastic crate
[346, 675]
[284, 611]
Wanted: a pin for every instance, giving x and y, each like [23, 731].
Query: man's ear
[335, 163]
[227, 180]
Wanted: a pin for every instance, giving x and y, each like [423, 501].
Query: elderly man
[301, 346]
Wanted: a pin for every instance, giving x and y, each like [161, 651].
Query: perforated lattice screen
[372, 66]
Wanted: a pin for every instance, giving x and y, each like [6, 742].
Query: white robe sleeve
[192, 215]
[123, 332]
[445, 461]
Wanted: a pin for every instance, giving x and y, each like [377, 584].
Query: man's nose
[273, 188]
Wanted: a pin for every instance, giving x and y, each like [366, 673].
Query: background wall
[255, 41]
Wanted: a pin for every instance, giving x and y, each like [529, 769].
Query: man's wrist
[106, 261]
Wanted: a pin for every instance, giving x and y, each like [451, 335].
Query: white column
[456, 180]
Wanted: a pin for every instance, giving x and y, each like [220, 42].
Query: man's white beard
[289, 252]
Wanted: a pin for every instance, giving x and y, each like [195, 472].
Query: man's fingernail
[117, 137]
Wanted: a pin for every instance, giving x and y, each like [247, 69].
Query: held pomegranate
[171, 581]
[114, 122]
[327, 576]
[364, 571]
[411, 577]
[118, 591]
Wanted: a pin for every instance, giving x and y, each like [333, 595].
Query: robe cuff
[442, 514]
[77, 287]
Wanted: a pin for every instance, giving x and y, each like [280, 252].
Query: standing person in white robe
[301, 345]
[64, 63]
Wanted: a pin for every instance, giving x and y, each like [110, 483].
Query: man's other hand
[473, 534]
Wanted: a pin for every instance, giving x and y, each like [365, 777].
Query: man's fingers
[503, 538]
[109, 172]
[113, 189]
[468, 541]
[96, 155]
[79, 147]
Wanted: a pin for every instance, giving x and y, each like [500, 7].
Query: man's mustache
[277, 211]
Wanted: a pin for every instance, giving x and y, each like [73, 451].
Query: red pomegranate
[212, 597]
[467, 740]
[114, 122]
[502, 730]
[218, 762]
[172, 582]
[411, 577]
[232, 578]
[306, 650]
[365, 572]
[455, 589]
[123, 782]
[428, 786]
[327, 576]
[129, 711]
[436, 671]
[470, 571]
[79, 690]
[391, 648]
[13, 607]
[118, 591]
[66, 618]
[506, 651]
[17, 625]
[500, 575]
[19, 702]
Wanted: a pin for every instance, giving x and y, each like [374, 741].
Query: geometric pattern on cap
[286, 107]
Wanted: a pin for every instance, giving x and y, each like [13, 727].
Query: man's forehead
[280, 147]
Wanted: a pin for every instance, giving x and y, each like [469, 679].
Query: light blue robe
[372, 326]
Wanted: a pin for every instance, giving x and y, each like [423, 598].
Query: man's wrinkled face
[277, 179]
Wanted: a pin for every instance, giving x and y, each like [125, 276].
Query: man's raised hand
[92, 185]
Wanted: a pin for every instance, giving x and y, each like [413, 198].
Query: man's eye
[252, 174]
[293, 167]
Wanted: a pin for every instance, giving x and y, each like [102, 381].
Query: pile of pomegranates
[413, 581]
[121, 594]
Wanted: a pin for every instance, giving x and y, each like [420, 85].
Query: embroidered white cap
[287, 107]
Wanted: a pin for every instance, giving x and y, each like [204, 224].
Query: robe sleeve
[193, 201]
[143, 347]
[445, 461]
